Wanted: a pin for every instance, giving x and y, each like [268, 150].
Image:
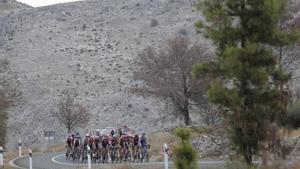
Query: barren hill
[11, 6]
[89, 46]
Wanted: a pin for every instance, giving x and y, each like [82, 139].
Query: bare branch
[167, 72]
[69, 113]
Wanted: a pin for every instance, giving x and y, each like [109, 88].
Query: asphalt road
[57, 161]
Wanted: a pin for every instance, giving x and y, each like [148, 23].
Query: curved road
[57, 161]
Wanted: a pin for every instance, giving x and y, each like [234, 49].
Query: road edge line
[53, 159]
[12, 162]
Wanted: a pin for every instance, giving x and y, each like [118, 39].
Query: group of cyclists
[105, 148]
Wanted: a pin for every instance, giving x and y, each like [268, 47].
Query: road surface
[57, 161]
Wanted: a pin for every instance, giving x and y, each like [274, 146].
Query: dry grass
[57, 148]
[294, 133]
[296, 166]
[8, 156]
[281, 164]
[157, 140]
[7, 167]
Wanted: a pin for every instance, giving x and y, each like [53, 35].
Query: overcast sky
[37, 3]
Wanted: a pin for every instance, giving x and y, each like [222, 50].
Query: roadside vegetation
[247, 79]
[185, 155]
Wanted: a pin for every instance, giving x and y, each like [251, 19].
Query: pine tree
[247, 80]
[185, 155]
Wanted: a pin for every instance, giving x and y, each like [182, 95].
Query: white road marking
[54, 159]
[12, 163]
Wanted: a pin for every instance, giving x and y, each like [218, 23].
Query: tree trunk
[69, 128]
[186, 115]
[248, 156]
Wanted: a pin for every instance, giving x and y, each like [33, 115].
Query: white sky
[37, 3]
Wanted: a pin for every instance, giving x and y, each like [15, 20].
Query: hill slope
[89, 46]
[8, 6]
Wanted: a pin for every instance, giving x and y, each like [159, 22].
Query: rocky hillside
[11, 6]
[89, 46]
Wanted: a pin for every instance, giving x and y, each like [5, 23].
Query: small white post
[89, 157]
[166, 149]
[20, 148]
[1, 157]
[30, 159]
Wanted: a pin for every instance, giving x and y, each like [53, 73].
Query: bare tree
[167, 72]
[70, 113]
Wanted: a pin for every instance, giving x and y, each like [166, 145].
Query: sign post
[89, 157]
[30, 159]
[166, 149]
[1, 157]
[49, 135]
[20, 148]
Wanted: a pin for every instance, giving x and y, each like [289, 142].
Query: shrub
[293, 115]
[185, 155]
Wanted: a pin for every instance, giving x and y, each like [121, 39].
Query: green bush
[293, 115]
[185, 155]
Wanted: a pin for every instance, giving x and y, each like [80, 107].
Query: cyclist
[135, 147]
[91, 141]
[86, 140]
[143, 140]
[69, 141]
[98, 133]
[136, 140]
[114, 141]
[77, 141]
[112, 132]
[120, 132]
[144, 146]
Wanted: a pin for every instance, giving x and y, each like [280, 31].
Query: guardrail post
[30, 159]
[166, 149]
[1, 156]
[20, 148]
[89, 157]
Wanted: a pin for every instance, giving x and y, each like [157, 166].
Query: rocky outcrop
[210, 145]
